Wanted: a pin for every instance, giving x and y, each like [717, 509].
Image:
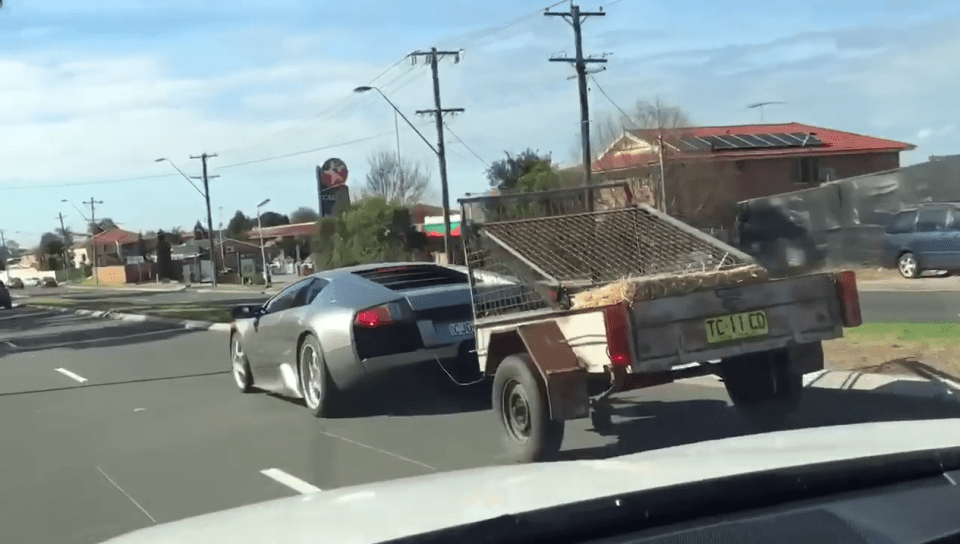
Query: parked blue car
[924, 238]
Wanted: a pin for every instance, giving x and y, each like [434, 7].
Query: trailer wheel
[764, 387]
[520, 401]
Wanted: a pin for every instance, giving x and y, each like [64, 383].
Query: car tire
[319, 392]
[908, 266]
[765, 387]
[523, 411]
[240, 365]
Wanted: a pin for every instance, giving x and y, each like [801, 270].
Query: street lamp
[447, 246]
[263, 253]
[206, 196]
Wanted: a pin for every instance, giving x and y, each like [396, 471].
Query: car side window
[286, 299]
[954, 220]
[903, 222]
[932, 220]
[310, 291]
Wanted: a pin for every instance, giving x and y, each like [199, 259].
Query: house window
[808, 170]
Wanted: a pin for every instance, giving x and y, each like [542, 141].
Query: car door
[951, 241]
[284, 336]
[264, 338]
[929, 238]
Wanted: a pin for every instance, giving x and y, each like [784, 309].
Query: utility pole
[576, 17]
[206, 196]
[93, 235]
[3, 246]
[63, 234]
[438, 112]
[223, 256]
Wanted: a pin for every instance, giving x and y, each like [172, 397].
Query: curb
[121, 288]
[140, 318]
[905, 385]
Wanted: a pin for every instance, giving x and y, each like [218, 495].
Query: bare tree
[395, 179]
[608, 127]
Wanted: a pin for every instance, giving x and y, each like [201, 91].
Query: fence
[841, 223]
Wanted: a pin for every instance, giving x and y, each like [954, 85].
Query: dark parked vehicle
[14, 283]
[924, 238]
[5, 300]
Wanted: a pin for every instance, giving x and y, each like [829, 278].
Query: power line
[82, 183]
[464, 144]
[473, 37]
[604, 93]
[322, 113]
[306, 151]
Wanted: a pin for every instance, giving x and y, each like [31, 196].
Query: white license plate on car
[461, 329]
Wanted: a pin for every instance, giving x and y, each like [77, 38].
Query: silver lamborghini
[327, 333]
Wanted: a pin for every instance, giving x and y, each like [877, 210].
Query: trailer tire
[764, 387]
[523, 411]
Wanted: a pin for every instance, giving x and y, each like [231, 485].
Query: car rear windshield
[403, 278]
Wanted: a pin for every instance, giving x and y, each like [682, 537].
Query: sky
[93, 92]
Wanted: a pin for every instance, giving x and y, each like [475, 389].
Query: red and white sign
[333, 173]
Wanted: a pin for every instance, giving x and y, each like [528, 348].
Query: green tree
[51, 251]
[239, 224]
[304, 214]
[505, 174]
[273, 219]
[164, 259]
[370, 230]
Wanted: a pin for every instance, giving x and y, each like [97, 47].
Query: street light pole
[263, 253]
[447, 246]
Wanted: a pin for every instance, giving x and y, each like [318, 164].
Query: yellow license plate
[736, 326]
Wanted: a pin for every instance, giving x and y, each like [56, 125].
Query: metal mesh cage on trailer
[521, 248]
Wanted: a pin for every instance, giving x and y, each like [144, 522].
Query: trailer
[579, 294]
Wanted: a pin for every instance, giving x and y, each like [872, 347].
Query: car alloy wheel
[908, 266]
[313, 377]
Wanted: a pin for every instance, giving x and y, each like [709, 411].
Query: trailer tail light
[617, 324]
[849, 299]
[383, 315]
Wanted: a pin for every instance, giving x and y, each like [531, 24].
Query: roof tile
[835, 141]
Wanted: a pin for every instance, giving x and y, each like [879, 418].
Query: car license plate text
[736, 326]
[461, 329]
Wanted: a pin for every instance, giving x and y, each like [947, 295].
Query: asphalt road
[878, 306]
[110, 426]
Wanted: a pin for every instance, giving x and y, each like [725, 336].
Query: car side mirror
[246, 311]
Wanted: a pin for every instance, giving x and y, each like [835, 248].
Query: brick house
[115, 245]
[708, 169]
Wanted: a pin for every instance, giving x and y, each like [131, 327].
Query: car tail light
[849, 299]
[380, 316]
[617, 325]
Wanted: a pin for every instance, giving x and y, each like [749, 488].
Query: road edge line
[141, 318]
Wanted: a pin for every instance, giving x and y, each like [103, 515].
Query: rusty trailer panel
[565, 378]
[671, 331]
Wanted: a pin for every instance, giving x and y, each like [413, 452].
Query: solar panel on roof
[752, 141]
[695, 144]
[789, 138]
[779, 140]
[807, 139]
[724, 143]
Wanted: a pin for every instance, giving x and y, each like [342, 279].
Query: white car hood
[397, 508]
